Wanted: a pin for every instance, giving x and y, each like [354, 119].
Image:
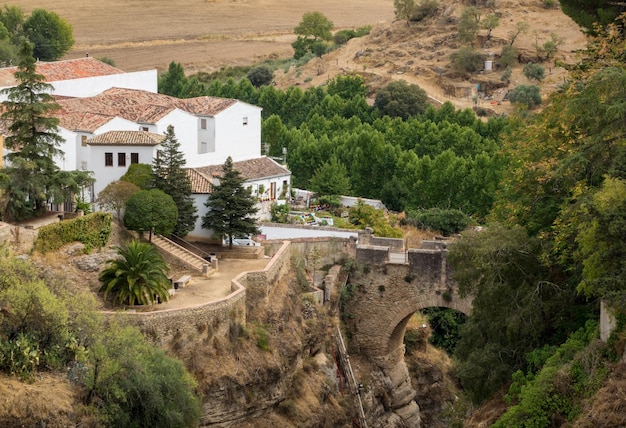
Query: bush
[424, 9]
[467, 60]
[399, 99]
[92, 230]
[260, 76]
[534, 72]
[280, 213]
[508, 55]
[445, 221]
[527, 96]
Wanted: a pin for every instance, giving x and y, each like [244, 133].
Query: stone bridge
[391, 286]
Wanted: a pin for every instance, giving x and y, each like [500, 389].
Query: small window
[108, 159]
[83, 165]
[204, 147]
[121, 159]
[245, 120]
[83, 140]
[145, 128]
[202, 123]
[134, 158]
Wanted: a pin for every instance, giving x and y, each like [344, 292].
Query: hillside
[419, 53]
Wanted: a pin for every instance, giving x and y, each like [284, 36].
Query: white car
[241, 240]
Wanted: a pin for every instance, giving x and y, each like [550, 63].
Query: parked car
[241, 240]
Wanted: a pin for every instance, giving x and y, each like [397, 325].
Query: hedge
[93, 230]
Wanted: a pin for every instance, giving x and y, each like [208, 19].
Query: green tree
[137, 276]
[490, 23]
[534, 72]
[347, 87]
[519, 305]
[468, 24]
[33, 140]
[467, 60]
[231, 206]
[114, 196]
[13, 19]
[173, 82]
[404, 9]
[400, 99]
[602, 240]
[134, 384]
[51, 35]
[151, 210]
[528, 96]
[140, 174]
[315, 25]
[331, 179]
[508, 56]
[170, 177]
[261, 75]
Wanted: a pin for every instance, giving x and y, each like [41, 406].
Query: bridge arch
[384, 297]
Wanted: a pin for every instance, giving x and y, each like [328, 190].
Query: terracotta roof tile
[200, 184]
[63, 70]
[126, 138]
[137, 106]
[251, 169]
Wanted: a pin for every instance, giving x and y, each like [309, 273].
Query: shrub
[446, 221]
[527, 96]
[400, 99]
[280, 212]
[92, 230]
[534, 72]
[467, 60]
[260, 76]
[424, 9]
[508, 55]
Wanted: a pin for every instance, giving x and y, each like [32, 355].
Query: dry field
[203, 35]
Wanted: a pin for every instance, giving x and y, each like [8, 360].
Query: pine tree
[171, 178]
[33, 140]
[231, 207]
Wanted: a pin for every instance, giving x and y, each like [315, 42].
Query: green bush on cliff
[93, 230]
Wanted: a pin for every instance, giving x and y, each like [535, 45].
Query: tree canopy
[315, 25]
[51, 35]
[400, 99]
[152, 211]
[231, 207]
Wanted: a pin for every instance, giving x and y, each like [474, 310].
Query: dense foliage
[50, 34]
[123, 379]
[152, 211]
[93, 230]
[539, 277]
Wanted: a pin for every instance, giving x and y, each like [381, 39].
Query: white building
[110, 119]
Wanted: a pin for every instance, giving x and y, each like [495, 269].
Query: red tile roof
[251, 169]
[134, 105]
[200, 184]
[126, 138]
[63, 70]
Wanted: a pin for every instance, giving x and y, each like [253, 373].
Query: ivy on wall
[93, 230]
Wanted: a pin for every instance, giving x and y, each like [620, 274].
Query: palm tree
[137, 276]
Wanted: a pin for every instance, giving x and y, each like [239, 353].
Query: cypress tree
[231, 206]
[171, 178]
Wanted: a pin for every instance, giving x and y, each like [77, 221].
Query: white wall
[276, 232]
[235, 139]
[108, 174]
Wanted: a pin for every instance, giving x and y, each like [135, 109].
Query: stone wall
[366, 237]
[166, 326]
[372, 255]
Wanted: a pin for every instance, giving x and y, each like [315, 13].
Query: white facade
[107, 174]
[90, 86]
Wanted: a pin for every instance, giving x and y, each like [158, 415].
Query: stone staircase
[189, 258]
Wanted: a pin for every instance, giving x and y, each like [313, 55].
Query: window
[245, 120]
[204, 147]
[83, 141]
[134, 158]
[121, 159]
[145, 128]
[108, 159]
[202, 123]
[83, 165]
